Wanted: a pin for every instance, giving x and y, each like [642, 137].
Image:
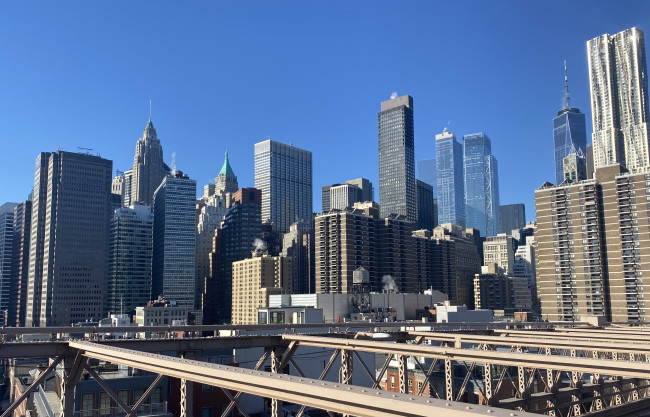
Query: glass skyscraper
[568, 131]
[284, 175]
[174, 239]
[450, 182]
[397, 193]
[481, 184]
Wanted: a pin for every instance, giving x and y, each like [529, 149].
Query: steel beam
[9, 411]
[334, 397]
[554, 362]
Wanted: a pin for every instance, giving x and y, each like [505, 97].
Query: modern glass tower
[6, 252]
[481, 184]
[569, 131]
[174, 239]
[450, 181]
[618, 79]
[284, 175]
[397, 193]
[129, 259]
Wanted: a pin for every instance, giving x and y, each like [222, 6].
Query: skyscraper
[481, 184]
[511, 217]
[130, 251]
[20, 264]
[69, 239]
[426, 171]
[618, 78]
[6, 252]
[226, 181]
[450, 181]
[148, 168]
[284, 175]
[174, 239]
[397, 193]
[427, 209]
[569, 132]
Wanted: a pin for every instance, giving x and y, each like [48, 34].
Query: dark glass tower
[568, 131]
[397, 194]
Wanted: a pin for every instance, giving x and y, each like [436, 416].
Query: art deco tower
[226, 181]
[148, 167]
[618, 78]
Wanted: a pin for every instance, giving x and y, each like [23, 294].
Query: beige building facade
[253, 280]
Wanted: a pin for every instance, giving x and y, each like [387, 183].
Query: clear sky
[225, 75]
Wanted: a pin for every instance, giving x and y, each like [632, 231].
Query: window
[206, 388]
[87, 404]
[123, 395]
[392, 381]
[206, 411]
[105, 404]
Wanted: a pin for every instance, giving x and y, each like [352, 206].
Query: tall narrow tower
[568, 132]
[397, 193]
[148, 167]
[481, 184]
[618, 78]
[450, 180]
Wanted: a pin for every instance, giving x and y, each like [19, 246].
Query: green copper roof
[226, 169]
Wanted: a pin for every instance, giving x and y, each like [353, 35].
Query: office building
[618, 79]
[148, 168]
[511, 217]
[161, 312]
[367, 190]
[298, 243]
[500, 250]
[6, 254]
[130, 252]
[174, 240]
[427, 209]
[325, 197]
[592, 247]
[226, 181]
[69, 239]
[575, 167]
[569, 132]
[253, 280]
[450, 179]
[343, 196]
[397, 193]
[494, 290]
[457, 258]
[283, 173]
[20, 264]
[481, 184]
[233, 242]
[589, 159]
[524, 267]
[426, 172]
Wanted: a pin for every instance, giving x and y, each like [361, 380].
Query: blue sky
[225, 75]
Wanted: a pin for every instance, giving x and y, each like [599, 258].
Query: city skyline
[75, 95]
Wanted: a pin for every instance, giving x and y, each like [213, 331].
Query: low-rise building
[161, 312]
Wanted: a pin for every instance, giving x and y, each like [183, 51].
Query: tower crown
[226, 169]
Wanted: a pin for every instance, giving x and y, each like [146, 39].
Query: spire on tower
[150, 99]
[566, 88]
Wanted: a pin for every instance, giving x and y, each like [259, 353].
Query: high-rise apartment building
[569, 132]
[397, 193]
[427, 209]
[233, 242]
[481, 184]
[174, 239]
[511, 217]
[130, 252]
[426, 172]
[450, 179]
[618, 79]
[253, 280]
[69, 239]
[20, 264]
[298, 243]
[592, 247]
[148, 168]
[524, 267]
[284, 175]
[6, 253]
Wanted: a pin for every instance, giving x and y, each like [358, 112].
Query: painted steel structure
[578, 370]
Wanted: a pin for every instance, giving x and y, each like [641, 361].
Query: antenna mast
[566, 86]
[150, 99]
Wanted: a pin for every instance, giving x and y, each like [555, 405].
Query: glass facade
[481, 184]
[284, 175]
[450, 181]
[569, 131]
[174, 239]
[129, 259]
[427, 172]
[397, 194]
